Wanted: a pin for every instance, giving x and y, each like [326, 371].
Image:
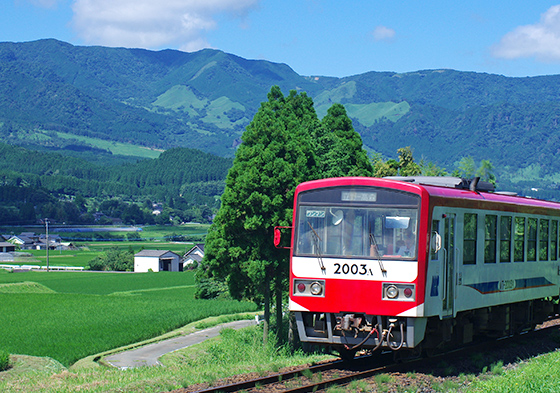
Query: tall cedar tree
[284, 145]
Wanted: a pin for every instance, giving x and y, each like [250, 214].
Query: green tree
[407, 166]
[339, 147]
[466, 167]
[276, 155]
[431, 169]
[284, 145]
[404, 167]
[486, 171]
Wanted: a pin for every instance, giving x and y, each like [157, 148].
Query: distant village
[144, 261]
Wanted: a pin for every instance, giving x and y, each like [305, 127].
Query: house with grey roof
[157, 261]
[7, 247]
[193, 257]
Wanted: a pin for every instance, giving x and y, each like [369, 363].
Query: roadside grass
[233, 353]
[538, 375]
[94, 312]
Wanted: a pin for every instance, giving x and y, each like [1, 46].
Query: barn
[157, 261]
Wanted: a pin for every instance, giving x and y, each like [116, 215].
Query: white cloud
[382, 33]
[151, 24]
[540, 40]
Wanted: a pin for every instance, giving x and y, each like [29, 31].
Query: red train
[419, 263]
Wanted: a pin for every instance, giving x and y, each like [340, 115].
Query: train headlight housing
[302, 287]
[392, 291]
[398, 291]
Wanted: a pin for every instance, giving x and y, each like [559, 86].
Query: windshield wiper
[373, 242]
[316, 239]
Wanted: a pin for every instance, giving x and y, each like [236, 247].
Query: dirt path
[148, 355]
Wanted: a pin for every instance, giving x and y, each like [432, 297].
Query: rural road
[148, 355]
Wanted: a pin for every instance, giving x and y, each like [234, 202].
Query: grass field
[70, 315]
[125, 149]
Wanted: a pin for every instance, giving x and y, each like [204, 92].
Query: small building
[7, 247]
[157, 261]
[24, 242]
[193, 257]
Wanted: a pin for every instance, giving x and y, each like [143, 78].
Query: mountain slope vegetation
[59, 97]
[188, 182]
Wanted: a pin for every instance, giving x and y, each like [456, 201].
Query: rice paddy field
[70, 315]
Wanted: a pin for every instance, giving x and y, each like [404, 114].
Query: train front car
[358, 263]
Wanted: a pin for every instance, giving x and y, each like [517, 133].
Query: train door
[449, 264]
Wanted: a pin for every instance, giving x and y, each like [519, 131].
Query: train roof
[458, 189]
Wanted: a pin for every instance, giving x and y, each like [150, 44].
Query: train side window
[519, 240]
[505, 239]
[543, 240]
[554, 240]
[490, 238]
[433, 252]
[531, 239]
[469, 239]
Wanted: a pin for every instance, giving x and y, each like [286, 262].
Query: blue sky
[315, 37]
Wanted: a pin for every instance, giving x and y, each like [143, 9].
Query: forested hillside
[187, 182]
[84, 101]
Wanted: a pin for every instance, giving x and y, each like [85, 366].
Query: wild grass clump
[4, 360]
[540, 375]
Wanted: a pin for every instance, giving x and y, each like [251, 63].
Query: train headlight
[392, 291]
[316, 288]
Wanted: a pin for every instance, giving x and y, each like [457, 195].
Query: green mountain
[116, 104]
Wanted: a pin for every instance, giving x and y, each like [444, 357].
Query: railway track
[339, 373]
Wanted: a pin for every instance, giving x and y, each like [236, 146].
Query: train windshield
[357, 222]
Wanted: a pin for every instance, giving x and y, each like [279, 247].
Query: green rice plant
[87, 315]
[98, 283]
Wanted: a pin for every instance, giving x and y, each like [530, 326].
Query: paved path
[148, 355]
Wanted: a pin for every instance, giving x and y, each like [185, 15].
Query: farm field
[86, 252]
[70, 315]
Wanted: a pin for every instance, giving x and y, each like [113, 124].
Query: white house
[157, 261]
[193, 256]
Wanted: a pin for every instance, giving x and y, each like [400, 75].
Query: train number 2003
[354, 269]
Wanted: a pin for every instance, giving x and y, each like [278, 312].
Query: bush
[4, 360]
[113, 260]
[209, 288]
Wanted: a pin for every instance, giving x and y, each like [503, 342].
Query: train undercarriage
[348, 333]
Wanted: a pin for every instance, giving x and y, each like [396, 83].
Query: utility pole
[47, 230]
